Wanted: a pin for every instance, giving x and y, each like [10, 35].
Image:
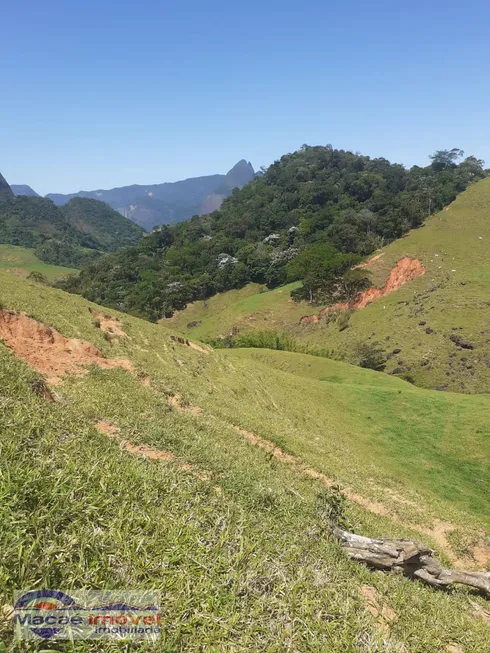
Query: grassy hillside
[251, 305]
[449, 300]
[183, 496]
[23, 261]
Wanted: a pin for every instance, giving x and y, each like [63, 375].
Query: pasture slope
[22, 261]
[131, 457]
[434, 328]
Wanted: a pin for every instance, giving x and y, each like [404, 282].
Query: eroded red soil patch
[108, 323]
[405, 270]
[47, 351]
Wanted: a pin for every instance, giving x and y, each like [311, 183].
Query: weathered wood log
[409, 558]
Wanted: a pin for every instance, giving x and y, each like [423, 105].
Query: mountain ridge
[23, 189]
[151, 205]
[6, 192]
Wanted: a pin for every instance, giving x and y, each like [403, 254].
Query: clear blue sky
[96, 94]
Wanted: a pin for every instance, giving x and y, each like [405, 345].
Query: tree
[443, 159]
[472, 168]
[353, 282]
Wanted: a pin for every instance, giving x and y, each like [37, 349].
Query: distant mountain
[168, 203]
[5, 190]
[240, 175]
[23, 189]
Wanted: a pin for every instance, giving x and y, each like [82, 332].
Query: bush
[331, 504]
[267, 340]
[343, 320]
[370, 356]
[38, 277]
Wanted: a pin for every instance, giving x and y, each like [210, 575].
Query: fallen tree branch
[409, 558]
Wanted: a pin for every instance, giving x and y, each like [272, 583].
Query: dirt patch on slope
[481, 553]
[367, 264]
[47, 351]
[112, 431]
[108, 323]
[187, 343]
[19, 272]
[267, 445]
[405, 270]
[176, 402]
[382, 613]
[278, 453]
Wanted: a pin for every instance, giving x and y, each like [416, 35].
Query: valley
[187, 454]
[216, 454]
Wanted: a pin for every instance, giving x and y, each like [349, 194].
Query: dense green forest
[101, 227]
[318, 205]
[72, 235]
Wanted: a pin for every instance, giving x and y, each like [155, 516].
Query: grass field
[451, 299]
[250, 307]
[234, 536]
[22, 261]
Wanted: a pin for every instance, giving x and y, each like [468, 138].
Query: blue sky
[104, 93]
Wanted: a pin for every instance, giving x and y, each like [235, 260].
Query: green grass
[249, 567]
[251, 307]
[23, 261]
[449, 302]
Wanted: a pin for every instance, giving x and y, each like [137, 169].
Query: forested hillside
[102, 226]
[69, 236]
[320, 204]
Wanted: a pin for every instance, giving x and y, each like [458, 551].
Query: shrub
[331, 504]
[343, 320]
[370, 356]
[38, 277]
